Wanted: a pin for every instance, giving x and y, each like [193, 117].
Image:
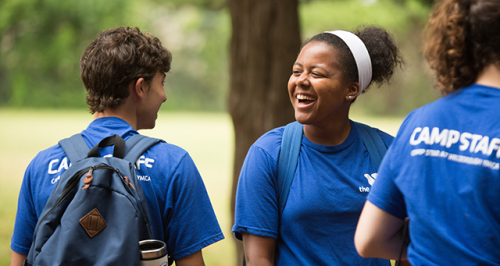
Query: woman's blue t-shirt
[443, 172]
[326, 197]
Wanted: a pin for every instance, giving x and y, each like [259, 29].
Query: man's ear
[139, 87]
[352, 91]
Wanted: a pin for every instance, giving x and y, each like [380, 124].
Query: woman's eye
[296, 72]
[316, 74]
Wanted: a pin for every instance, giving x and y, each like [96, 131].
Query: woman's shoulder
[386, 137]
[271, 138]
[270, 142]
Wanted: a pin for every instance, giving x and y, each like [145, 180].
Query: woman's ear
[352, 91]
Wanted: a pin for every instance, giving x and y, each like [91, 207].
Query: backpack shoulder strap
[137, 145]
[75, 147]
[287, 160]
[373, 143]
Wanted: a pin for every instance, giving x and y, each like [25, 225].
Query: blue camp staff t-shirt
[181, 212]
[443, 171]
[324, 203]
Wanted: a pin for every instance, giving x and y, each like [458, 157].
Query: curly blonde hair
[462, 37]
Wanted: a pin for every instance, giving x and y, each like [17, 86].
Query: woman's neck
[333, 134]
[490, 76]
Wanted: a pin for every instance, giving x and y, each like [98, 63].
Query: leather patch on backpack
[93, 223]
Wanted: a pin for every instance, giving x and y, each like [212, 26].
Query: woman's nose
[303, 80]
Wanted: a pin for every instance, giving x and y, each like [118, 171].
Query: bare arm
[17, 259]
[259, 250]
[378, 234]
[195, 259]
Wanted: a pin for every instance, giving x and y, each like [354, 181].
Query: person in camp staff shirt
[334, 171]
[123, 71]
[443, 169]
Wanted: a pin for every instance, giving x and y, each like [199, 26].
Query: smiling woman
[334, 172]
[328, 75]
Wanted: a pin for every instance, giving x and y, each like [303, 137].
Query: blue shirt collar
[107, 126]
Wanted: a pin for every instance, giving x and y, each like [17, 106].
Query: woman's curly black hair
[384, 54]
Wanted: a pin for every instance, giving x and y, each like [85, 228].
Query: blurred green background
[41, 43]
[42, 98]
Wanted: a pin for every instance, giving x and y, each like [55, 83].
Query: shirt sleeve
[26, 217]
[192, 224]
[256, 198]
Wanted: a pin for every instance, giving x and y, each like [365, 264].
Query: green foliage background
[41, 43]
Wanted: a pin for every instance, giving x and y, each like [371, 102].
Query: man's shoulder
[167, 156]
[166, 149]
[54, 152]
[46, 167]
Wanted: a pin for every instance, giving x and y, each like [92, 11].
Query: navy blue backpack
[290, 149]
[97, 213]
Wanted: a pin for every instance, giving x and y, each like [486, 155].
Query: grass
[207, 137]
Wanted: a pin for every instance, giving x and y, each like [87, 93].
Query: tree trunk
[265, 43]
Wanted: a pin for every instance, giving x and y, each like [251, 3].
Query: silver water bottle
[153, 253]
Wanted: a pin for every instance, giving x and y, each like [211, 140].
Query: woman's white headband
[361, 56]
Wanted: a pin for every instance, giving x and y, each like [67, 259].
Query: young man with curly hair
[123, 71]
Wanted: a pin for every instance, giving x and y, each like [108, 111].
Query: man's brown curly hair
[462, 38]
[114, 59]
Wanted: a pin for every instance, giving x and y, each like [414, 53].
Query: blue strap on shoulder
[137, 145]
[290, 149]
[75, 148]
[287, 160]
[373, 143]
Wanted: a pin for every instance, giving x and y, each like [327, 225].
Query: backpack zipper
[88, 178]
[76, 178]
[69, 186]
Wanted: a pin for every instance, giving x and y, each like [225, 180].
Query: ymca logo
[371, 179]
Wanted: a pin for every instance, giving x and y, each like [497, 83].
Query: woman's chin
[301, 118]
